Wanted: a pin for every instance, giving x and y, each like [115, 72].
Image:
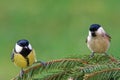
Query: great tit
[23, 55]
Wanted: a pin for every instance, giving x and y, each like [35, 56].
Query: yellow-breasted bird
[23, 55]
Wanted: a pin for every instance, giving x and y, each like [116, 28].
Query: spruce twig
[114, 72]
[75, 68]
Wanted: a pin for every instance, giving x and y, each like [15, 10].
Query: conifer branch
[54, 64]
[116, 74]
[75, 68]
[62, 61]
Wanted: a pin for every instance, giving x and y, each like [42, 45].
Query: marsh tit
[98, 41]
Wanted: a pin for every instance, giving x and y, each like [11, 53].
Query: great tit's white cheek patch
[18, 48]
[30, 47]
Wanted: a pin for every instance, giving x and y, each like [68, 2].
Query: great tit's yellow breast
[31, 57]
[21, 62]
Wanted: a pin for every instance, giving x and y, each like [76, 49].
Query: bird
[98, 41]
[23, 55]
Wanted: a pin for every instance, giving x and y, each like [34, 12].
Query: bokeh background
[55, 28]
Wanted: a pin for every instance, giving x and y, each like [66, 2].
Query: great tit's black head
[23, 47]
[94, 27]
[23, 43]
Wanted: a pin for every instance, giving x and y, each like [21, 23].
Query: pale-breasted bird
[98, 41]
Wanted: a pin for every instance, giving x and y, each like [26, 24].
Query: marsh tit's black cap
[94, 27]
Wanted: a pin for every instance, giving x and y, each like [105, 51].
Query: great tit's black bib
[27, 59]
[25, 52]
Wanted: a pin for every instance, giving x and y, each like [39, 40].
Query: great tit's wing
[12, 56]
[108, 37]
[34, 55]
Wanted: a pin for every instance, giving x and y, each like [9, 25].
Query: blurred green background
[55, 28]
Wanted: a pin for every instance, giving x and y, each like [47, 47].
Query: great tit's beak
[26, 47]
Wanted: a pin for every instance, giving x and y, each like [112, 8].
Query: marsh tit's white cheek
[90, 33]
[100, 31]
[18, 48]
[30, 47]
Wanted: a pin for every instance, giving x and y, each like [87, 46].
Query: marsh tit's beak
[93, 33]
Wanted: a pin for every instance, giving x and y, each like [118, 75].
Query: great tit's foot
[21, 73]
[92, 55]
[41, 62]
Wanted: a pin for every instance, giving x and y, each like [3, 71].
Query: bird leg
[92, 55]
[41, 62]
[106, 54]
[21, 73]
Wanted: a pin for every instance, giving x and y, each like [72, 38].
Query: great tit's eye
[18, 48]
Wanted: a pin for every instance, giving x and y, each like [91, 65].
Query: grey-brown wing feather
[108, 37]
[86, 40]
